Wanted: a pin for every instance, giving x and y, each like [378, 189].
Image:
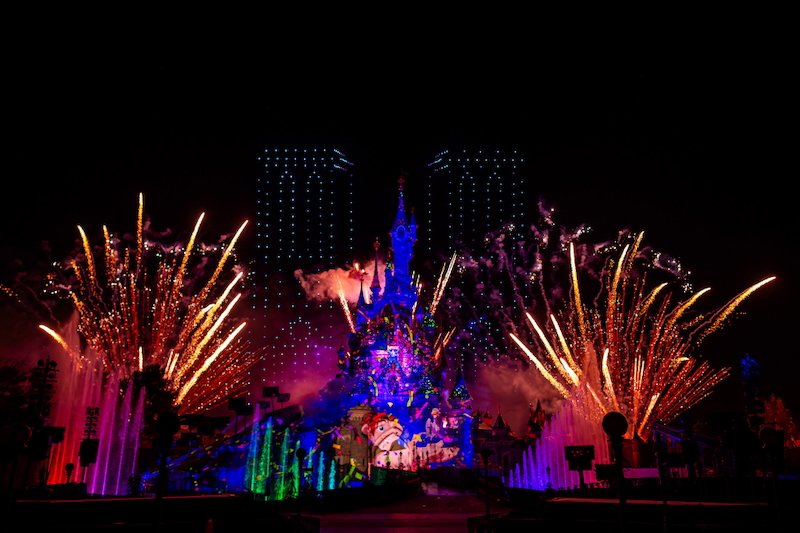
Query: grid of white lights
[304, 219]
[481, 189]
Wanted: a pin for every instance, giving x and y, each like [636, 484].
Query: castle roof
[460, 391]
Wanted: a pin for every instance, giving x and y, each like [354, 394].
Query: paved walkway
[440, 509]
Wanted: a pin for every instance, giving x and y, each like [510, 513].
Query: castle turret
[399, 291]
[375, 287]
[500, 427]
[459, 396]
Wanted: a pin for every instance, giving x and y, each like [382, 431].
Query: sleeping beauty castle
[402, 413]
[390, 408]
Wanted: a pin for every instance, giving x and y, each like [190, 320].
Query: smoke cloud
[512, 386]
[325, 286]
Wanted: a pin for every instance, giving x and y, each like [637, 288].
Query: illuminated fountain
[543, 465]
[119, 432]
[273, 467]
[79, 387]
[259, 464]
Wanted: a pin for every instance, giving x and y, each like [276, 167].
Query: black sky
[686, 138]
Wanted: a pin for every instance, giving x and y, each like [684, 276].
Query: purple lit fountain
[579, 423]
[119, 431]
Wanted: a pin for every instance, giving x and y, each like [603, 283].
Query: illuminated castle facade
[393, 374]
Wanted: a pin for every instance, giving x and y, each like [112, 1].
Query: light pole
[301, 456]
[615, 425]
[485, 453]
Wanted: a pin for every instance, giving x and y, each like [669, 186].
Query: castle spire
[376, 282]
[459, 396]
[398, 291]
[500, 427]
[400, 219]
[361, 301]
[403, 238]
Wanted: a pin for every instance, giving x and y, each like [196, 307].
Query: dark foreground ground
[420, 508]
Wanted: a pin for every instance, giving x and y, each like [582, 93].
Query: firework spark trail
[678, 313]
[207, 363]
[647, 370]
[441, 284]
[206, 330]
[196, 352]
[228, 249]
[720, 317]
[345, 307]
[220, 381]
[145, 315]
[555, 360]
[565, 347]
[418, 290]
[613, 303]
[542, 369]
[198, 302]
[576, 294]
[89, 259]
[140, 234]
[634, 251]
[440, 344]
[60, 340]
[170, 292]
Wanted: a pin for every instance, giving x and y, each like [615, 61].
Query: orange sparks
[646, 370]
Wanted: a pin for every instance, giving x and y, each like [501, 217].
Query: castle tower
[404, 235]
[399, 290]
[393, 361]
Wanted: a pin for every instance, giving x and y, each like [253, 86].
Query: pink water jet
[80, 385]
[579, 423]
[83, 383]
[120, 432]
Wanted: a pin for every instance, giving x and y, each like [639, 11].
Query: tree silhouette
[780, 416]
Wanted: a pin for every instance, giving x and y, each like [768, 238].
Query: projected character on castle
[433, 426]
[383, 431]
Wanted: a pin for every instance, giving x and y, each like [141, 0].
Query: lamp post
[301, 456]
[485, 453]
[615, 425]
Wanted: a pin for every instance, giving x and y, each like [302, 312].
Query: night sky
[684, 139]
